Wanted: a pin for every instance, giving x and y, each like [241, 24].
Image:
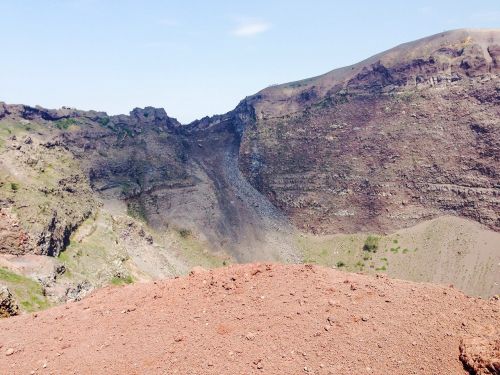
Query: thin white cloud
[252, 28]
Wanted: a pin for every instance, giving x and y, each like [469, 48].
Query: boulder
[8, 306]
[481, 354]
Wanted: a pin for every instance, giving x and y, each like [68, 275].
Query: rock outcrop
[8, 306]
[407, 135]
[481, 354]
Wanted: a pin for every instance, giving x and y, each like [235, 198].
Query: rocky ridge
[406, 136]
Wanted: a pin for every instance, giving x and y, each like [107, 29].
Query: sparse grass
[195, 253]
[395, 250]
[371, 244]
[64, 123]
[8, 276]
[122, 280]
[136, 210]
[27, 292]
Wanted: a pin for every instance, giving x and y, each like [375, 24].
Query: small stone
[364, 318]
[250, 336]
[9, 351]
[197, 270]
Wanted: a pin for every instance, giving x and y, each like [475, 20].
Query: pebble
[9, 351]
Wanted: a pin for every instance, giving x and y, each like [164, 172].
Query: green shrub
[14, 186]
[65, 123]
[395, 250]
[121, 280]
[371, 244]
[103, 121]
[185, 233]
[340, 264]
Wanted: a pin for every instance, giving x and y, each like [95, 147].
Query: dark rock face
[8, 306]
[384, 144]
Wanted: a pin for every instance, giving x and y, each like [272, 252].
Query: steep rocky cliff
[407, 135]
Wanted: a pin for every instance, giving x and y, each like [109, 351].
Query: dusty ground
[251, 319]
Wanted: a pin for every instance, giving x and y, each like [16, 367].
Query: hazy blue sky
[197, 58]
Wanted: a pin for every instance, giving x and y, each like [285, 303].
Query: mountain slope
[405, 136]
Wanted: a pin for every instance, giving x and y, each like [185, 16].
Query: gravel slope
[251, 319]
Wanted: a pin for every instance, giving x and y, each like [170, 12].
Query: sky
[199, 58]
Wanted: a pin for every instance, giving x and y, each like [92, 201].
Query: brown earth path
[251, 319]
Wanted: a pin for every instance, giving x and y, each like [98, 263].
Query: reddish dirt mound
[251, 319]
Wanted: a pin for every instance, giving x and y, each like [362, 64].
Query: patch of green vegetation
[136, 210]
[395, 241]
[360, 265]
[8, 276]
[340, 264]
[395, 250]
[14, 186]
[196, 253]
[383, 268]
[27, 292]
[371, 244]
[122, 280]
[104, 121]
[405, 251]
[64, 123]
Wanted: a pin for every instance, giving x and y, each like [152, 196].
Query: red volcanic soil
[252, 319]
